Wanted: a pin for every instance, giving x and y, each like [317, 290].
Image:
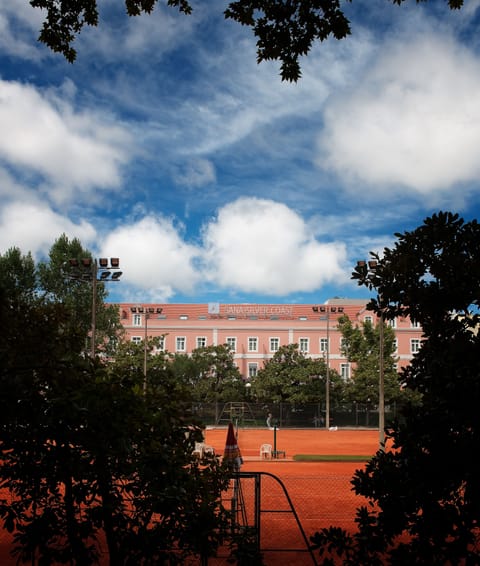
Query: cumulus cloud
[154, 257]
[258, 245]
[34, 227]
[412, 121]
[75, 153]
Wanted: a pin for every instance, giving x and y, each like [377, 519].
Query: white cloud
[153, 257]
[195, 172]
[75, 153]
[33, 227]
[413, 120]
[258, 245]
[19, 28]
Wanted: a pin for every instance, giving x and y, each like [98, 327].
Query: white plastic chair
[266, 451]
[199, 448]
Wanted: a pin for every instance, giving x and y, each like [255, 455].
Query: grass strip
[330, 458]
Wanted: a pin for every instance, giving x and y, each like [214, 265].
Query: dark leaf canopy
[285, 30]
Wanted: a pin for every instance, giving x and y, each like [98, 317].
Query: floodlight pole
[92, 270]
[94, 307]
[381, 386]
[145, 353]
[371, 266]
[145, 311]
[327, 376]
[327, 309]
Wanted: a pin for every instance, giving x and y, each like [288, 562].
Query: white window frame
[201, 341]
[323, 345]
[274, 342]
[252, 369]
[392, 323]
[231, 342]
[137, 320]
[368, 318]
[304, 344]
[253, 343]
[345, 371]
[415, 345]
[136, 339]
[181, 344]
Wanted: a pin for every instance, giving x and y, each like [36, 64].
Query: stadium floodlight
[92, 270]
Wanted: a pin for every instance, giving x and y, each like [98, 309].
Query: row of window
[137, 320]
[252, 344]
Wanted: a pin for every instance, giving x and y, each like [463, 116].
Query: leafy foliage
[290, 377]
[285, 30]
[424, 494]
[85, 451]
[362, 347]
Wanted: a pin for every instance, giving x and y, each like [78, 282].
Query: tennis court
[320, 491]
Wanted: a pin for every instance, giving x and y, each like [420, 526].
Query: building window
[303, 344]
[232, 343]
[181, 343]
[136, 339]
[161, 343]
[274, 344]
[393, 323]
[344, 346]
[323, 344]
[414, 324]
[252, 344]
[137, 320]
[345, 371]
[369, 319]
[201, 342]
[395, 344]
[414, 345]
[252, 370]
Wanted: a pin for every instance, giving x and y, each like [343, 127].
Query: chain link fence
[288, 512]
[286, 415]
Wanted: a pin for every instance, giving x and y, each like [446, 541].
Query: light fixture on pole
[146, 312]
[326, 309]
[91, 270]
[366, 268]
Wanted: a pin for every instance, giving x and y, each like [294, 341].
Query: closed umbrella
[232, 455]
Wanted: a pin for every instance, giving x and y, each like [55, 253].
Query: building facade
[254, 332]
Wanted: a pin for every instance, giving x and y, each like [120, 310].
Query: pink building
[255, 332]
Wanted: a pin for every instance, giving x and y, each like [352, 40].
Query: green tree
[284, 31]
[424, 493]
[211, 373]
[86, 452]
[361, 345]
[290, 377]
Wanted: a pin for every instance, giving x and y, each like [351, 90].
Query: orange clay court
[320, 491]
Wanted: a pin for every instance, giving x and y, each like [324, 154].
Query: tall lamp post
[327, 310]
[146, 312]
[371, 266]
[90, 270]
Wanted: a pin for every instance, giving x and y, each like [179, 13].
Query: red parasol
[232, 455]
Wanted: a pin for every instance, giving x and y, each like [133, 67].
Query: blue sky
[166, 145]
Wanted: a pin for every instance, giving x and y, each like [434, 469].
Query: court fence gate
[265, 524]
